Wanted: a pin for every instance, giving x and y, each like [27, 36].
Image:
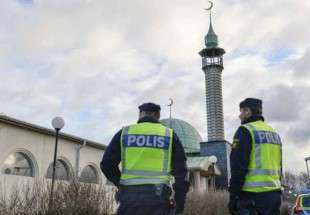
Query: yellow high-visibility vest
[146, 150]
[264, 171]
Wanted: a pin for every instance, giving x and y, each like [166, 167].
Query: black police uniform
[144, 199]
[267, 203]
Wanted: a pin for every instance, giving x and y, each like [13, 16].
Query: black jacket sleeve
[111, 159]
[179, 171]
[239, 160]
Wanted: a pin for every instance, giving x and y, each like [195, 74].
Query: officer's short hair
[254, 104]
[256, 111]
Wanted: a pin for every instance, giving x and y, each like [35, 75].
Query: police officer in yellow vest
[150, 155]
[256, 164]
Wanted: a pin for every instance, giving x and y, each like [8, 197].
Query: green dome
[188, 135]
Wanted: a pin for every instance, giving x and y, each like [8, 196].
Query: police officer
[150, 154]
[256, 164]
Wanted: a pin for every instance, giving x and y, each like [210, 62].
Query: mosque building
[216, 148]
[203, 169]
[27, 153]
[212, 66]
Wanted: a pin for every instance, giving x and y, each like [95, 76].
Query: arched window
[62, 171]
[18, 163]
[89, 175]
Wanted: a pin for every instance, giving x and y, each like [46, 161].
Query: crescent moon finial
[211, 6]
[171, 102]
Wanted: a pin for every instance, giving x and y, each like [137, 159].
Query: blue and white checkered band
[151, 141]
[262, 137]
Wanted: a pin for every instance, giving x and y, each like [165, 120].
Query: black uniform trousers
[144, 199]
[143, 210]
[267, 203]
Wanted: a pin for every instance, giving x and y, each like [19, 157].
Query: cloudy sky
[94, 61]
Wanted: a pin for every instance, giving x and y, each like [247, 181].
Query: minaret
[212, 66]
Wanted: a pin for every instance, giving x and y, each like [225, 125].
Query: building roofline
[214, 141]
[50, 132]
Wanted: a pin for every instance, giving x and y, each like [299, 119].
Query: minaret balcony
[212, 61]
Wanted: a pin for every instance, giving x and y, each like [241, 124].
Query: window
[62, 171]
[18, 163]
[306, 201]
[89, 175]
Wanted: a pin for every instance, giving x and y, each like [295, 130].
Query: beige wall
[40, 148]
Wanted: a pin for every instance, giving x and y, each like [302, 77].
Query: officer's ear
[155, 115]
[141, 114]
[158, 115]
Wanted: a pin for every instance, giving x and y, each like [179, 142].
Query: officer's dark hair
[256, 111]
[150, 112]
[154, 114]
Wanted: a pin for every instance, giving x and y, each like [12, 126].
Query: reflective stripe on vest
[158, 142]
[262, 177]
[138, 181]
[256, 184]
[143, 172]
[264, 172]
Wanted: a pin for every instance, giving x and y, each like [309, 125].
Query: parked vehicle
[302, 205]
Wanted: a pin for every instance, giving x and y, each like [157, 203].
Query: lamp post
[170, 106]
[58, 123]
[308, 159]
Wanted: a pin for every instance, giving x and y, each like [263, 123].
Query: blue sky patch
[240, 52]
[25, 2]
[278, 55]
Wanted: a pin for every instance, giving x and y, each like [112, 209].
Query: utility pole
[170, 107]
[306, 160]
